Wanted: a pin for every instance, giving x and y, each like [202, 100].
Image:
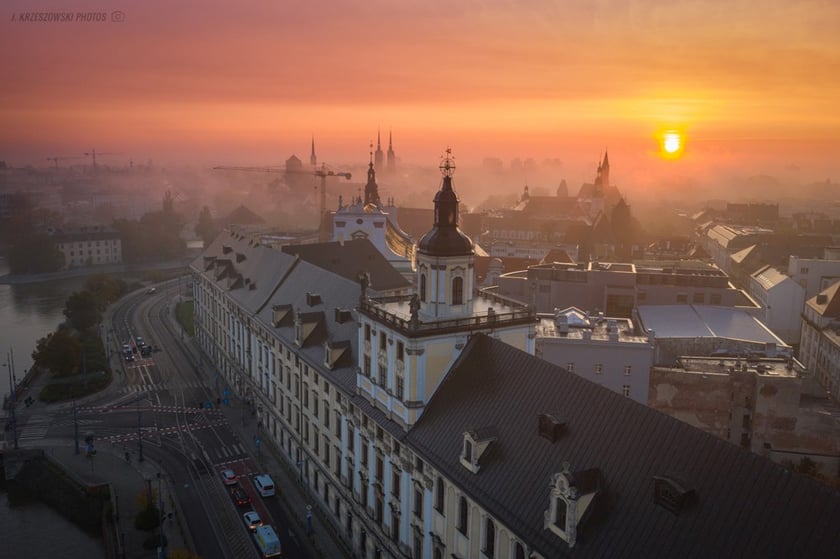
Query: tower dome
[445, 238]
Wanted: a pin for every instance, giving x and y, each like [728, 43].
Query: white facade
[89, 247]
[815, 274]
[781, 299]
[602, 350]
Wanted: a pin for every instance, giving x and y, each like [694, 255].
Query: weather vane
[447, 166]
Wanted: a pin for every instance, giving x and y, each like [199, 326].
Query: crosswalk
[35, 428]
[160, 387]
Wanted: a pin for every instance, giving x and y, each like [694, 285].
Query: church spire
[312, 159]
[371, 189]
[378, 159]
[392, 158]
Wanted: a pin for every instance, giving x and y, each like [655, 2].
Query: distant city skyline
[748, 88]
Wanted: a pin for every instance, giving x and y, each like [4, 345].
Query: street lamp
[162, 548]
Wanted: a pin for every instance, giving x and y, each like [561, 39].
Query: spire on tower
[312, 159]
[379, 156]
[392, 158]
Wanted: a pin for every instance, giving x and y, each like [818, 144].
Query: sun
[672, 144]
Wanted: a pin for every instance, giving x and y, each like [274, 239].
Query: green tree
[105, 288]
[82, 310]
[60, 352]
[206, 227]
[34, 253]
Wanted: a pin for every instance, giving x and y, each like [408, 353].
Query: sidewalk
[323, 542]
[127, 481]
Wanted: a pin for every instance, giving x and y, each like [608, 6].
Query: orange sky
[748, 81]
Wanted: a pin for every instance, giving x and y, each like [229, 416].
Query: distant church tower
[392, 157]
[312, 159]
[371, 190]
[445, 257]
[379, 153]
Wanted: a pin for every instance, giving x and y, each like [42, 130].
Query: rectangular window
[326, 414]
[400, 388]
[627, 370]
[315, 405]
[418, 504]
[714, 299]
[383, 341]
[682, 298]
[327, 450]
[351, 437]
[400, 351]
[395, 483]
[367, 332]
[305, 395]
[698, 298]
[625, 389]
[599, 368]
[364, 452]
[379, 468]
[570, 367]
[366, 363]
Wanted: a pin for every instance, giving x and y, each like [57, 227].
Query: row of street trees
[61, 352]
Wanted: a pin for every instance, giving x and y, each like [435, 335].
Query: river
[29, 312]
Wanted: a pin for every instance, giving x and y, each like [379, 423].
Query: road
[164, 407]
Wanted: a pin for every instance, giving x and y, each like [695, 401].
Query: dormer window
[570, 497]
[475, 444]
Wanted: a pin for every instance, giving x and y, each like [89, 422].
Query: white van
[264, 485]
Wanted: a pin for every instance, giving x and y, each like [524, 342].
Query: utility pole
[12, 398]
[75, 428]
[162, 548]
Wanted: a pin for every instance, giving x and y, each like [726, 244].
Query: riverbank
[119, 269]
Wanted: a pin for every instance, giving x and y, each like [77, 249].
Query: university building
[427, 428]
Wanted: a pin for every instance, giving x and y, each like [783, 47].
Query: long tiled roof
[349, 258]
[745, 506]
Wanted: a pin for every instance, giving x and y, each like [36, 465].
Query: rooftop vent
[226, 249]
[672, 494]
[240, 257]
[343, 315]
[313, 299]
[551, 427]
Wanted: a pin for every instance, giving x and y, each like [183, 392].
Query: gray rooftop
[746, 506]
[703, 321]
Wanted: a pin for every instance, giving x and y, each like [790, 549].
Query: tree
[60, 352]
[206, 227]
[82, 310]
[105, 288]
[34, 253]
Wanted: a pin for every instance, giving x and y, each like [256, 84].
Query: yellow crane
[322, 171]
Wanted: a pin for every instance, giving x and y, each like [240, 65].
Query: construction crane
[322, 171]
[92, 153]
[62, 158]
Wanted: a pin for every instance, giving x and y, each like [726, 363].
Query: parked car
[229, 477]
[252, 520]
[240, 497]
[151, 291]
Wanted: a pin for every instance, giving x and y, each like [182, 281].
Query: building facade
[603, 350]
[425, 428]
[88, 246]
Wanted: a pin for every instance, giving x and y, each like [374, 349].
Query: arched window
[423, 287]
[560, 513]
[518, 551]
[439, 492]
[462, 515]
[489, 538]
[458, 291]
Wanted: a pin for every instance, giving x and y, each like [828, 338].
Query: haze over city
[745, 85]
